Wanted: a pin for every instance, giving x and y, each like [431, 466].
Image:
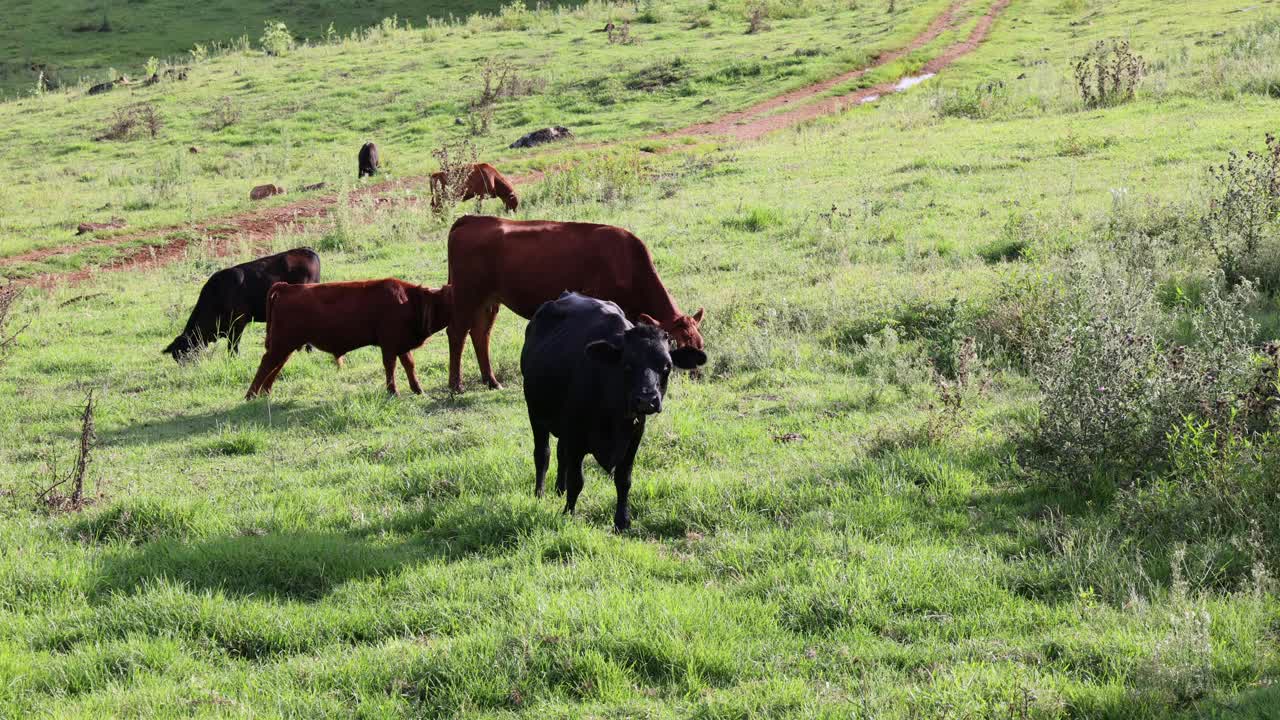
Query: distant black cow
[368, 160]
[236, 296]
[590, 379]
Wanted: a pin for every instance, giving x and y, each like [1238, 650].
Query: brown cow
[340, 317]
[524, 263]
[483, 180]
[262, 192]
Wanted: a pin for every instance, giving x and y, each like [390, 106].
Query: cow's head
[436, 310]
[511, 201]
[183, 347]
[683, 330]
[646, 365]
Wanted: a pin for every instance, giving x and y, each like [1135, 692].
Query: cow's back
[525, 263]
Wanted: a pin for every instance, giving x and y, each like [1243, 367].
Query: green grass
[64, 38]
[812, 536]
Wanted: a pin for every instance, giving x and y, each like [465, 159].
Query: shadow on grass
[335, 416]
[308, 566]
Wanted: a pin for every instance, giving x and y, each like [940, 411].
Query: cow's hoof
[493, 384]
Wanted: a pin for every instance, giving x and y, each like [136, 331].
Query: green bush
[1242, 222]
[1112, 379]
[276, 39]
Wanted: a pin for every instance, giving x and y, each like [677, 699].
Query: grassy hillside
[70, 40]
[299, 119]
[861, 508]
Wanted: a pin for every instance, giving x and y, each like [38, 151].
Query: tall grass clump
[608, 179]
[979, 102]
[1249, 62]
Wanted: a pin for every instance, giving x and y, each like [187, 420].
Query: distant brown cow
[265, 191]
[340, 317]
[483, 181]
[524, 263]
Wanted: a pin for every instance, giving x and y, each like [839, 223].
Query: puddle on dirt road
[910, 82]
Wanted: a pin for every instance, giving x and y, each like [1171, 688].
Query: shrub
[514, 16]
[1112, 380]
[757, 17]
[276, 39]
[222, 115]
[1242, 222]
[455, 160]
[8, 298]
[128, 122]
[1108, 74]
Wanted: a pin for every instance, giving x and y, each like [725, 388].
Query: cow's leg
[622, 479]
[273, 361]
[389, 364]
[411, 372]
[481, 329]
[457, 342]
[569, 463]
[541, 456]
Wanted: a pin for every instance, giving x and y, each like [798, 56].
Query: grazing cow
[262, 192]
[340, 317]
[368, 160]
[524, 263]
[591, 378]
[540, 137]
[236, 296]
[483, 181]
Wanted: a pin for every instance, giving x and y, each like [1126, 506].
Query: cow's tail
[271, 309]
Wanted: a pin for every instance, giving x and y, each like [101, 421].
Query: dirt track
[259, 226]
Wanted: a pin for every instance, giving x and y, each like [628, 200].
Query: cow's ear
[603, 351]
[687, 358]
[697, 317]
[644, 319]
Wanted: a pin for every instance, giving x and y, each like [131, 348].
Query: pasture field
[896, 491]
[66, 38]
[298, 119]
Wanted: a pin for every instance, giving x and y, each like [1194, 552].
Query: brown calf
[483, 180]
[340, 317]
[524, 263]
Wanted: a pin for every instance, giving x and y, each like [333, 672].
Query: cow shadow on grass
[307, 566]
[334, 416]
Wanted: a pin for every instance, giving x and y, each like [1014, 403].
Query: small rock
[193, 150]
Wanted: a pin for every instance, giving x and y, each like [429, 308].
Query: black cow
[368, 160]
[236, 296]
[591, 378]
